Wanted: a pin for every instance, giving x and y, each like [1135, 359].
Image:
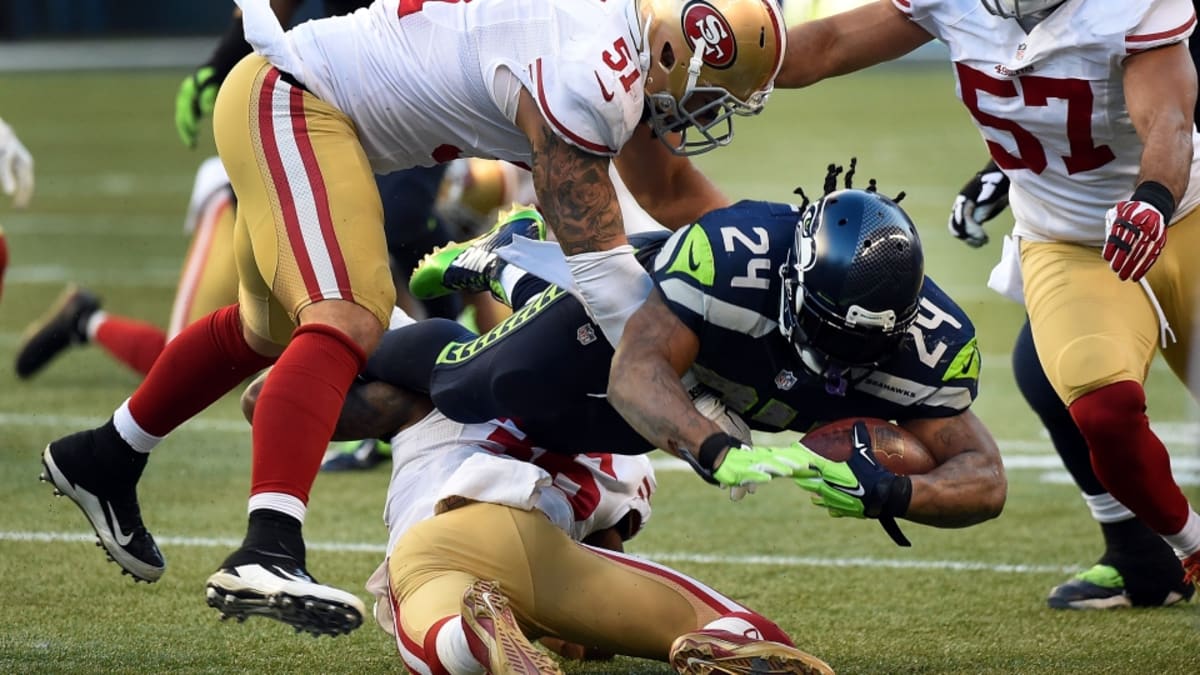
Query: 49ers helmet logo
[704, 25]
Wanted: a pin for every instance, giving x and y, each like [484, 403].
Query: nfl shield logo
[785, 380]
[1020, 51]
[585, 334]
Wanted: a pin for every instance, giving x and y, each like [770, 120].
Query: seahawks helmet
[852, 281]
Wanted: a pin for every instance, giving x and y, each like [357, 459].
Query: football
[896, 449]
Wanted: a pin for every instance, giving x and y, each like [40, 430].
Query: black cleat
[1103, 587]
[79, 467]
[253, 582]
[63, 325]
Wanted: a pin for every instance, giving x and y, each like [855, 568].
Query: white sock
[132, 432]
[400, 319]
[1186, 541]
[453, 651]
[509, 276]
[1106, 509]
[613, 284]
[735, 625]
[93, 324]
[278, 501]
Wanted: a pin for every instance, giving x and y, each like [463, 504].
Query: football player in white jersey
[561, 86]
[494, 541]
[1087, 108]
[1137, 567]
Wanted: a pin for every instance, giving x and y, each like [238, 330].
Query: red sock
[135, 343]
[298, 408]
[1130, 461]
[203, 363]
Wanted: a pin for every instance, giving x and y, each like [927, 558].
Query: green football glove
[859, 487]
[746, 466]
[195, 100]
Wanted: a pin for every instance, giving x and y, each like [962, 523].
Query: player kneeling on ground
[485, 554]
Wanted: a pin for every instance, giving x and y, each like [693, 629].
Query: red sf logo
[704, 25]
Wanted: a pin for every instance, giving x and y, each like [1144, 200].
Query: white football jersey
[425, 81]
[495, 462]
[1051, 103]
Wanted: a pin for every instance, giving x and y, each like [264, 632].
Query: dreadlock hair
[831, 175]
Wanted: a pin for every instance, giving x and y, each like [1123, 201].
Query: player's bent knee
[1090, 363]
[358, 323]
[1114, 411]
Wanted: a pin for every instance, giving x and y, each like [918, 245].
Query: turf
[112, 186]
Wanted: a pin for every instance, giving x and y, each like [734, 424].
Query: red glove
[1137, 232]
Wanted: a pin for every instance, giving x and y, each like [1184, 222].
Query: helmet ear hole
[667, 57]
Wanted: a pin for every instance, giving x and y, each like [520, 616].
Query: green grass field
[112, 185]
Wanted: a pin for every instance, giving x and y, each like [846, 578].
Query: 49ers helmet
[852, 281]
[709, 60]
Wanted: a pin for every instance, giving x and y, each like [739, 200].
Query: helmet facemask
[705, 67]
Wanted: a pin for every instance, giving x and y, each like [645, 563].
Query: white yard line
[1018, 453]
[661, 556]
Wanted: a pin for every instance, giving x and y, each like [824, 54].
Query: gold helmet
[709, 60]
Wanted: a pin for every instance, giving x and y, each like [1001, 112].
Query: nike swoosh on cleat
[294, 576]
[122, 538]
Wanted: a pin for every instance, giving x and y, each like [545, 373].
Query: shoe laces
[475, 260]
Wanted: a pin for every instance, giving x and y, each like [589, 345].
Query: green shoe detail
[473, 266]
[1104, 576]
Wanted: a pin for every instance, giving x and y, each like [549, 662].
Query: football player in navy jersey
[719, 323]
[803, 314]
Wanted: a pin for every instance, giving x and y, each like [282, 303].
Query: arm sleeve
[1166, 22]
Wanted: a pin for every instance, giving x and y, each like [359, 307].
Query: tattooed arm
[968, 486]
[574, 191]
[644, 384]
[669, 187]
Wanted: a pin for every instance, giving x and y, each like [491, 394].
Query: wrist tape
[1157, 195]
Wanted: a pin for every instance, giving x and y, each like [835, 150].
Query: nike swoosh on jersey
[608, 95]
[692, 264]
[122, 538]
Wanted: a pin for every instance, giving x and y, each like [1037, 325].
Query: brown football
[897, 449]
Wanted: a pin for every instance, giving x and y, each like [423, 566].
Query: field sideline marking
[660, 556]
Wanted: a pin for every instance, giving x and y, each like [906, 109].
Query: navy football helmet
[852, 281]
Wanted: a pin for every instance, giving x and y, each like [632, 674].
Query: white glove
[16, 167]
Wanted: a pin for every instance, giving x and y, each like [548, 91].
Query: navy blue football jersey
[721, 277]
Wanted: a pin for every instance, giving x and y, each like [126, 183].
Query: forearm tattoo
[576, 196]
